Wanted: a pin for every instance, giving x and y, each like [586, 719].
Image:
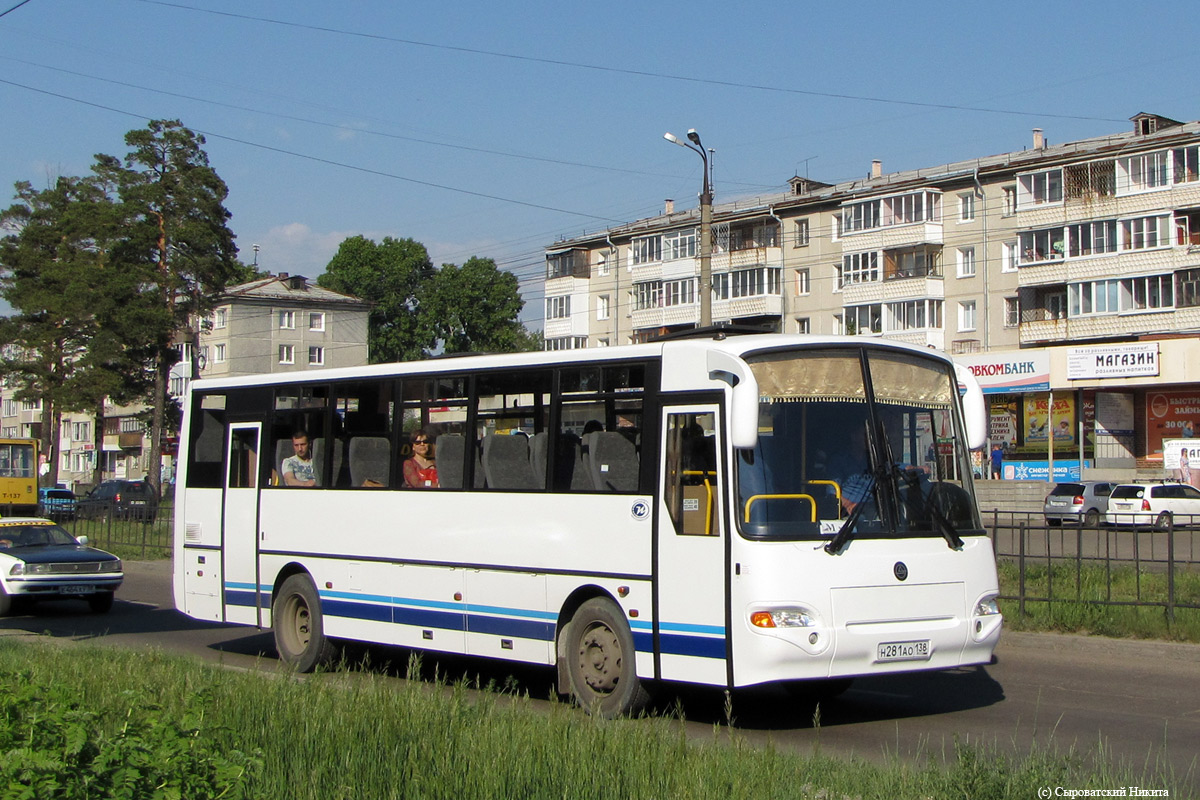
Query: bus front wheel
[601, 661]
[299, 627]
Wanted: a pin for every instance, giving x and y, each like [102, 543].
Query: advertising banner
[1183, 456]
[1170, 415]
[1041, 421]
[1004, 372]
[1112, 361]
[1040, 470]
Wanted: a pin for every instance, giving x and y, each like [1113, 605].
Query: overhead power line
[627, 71]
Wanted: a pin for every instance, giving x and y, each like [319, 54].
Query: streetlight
[706, 199]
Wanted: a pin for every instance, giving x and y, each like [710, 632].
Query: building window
[803, 325]
[859, 268]
[81, 431]
[647, 295]
[1144, 233]
[1187, 164]
[316, 321]
[1044, 245]
[1012, 312]
[1092, 238]
[680, 244]
[287, 354]
[602, 342]
[1152, 293]
[558, 307]
[679, 293]
[219, 354]
[863, 319]
[566, 343]
[602, 307]
[287, 320]
[914, 315]
[569, 263]
[316, 356]
[966, 315]
[803, 281]
[602, 264]
[907, 209]
[221, 317]
[1187, 292]
[966, 207]
[1142, 173]
[1009, 206]
[1094, 297]
[1008, 256]
[647, 250]
[753, 282]
[1038, 188]
[966, 262]
[860, 216]
[802, 233]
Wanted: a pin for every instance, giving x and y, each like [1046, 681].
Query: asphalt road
[1138, 700]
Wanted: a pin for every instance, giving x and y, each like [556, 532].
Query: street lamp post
[706, 199]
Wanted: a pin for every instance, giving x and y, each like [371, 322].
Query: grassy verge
[356, 735]
[1089, 600]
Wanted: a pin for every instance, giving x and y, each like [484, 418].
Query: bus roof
[736, 345]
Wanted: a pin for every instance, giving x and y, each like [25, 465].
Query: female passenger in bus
[420, 471]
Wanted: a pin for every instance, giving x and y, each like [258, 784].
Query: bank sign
[1112, 361]
[1009, 372]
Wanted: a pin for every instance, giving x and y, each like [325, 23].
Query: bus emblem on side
[900, 570]
[640, 510]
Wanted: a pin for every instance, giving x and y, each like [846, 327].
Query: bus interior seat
[370, 460]
[449, 458]
[538, 447]
[612, 461]
[506, 462]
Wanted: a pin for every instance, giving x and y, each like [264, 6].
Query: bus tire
[601, 661]
[299, 627]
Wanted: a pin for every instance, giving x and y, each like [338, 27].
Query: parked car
[56, 503]
[1156, 503]
[39, 560]
[1080, 501]
[119, 499]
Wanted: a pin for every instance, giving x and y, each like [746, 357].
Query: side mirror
[83, 540]
[975, 409]
[743, 416]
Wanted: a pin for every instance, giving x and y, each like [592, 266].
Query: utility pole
[706, 201]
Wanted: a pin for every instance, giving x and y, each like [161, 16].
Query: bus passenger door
[690, 564]
[239, 525]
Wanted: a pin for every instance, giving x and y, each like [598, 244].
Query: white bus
[718, 510]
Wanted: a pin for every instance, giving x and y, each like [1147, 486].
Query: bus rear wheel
[299, 627]
[601, 661]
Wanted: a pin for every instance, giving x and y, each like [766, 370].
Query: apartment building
[1065, 276]
[278, 323]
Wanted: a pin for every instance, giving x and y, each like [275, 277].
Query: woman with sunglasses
[420, 472]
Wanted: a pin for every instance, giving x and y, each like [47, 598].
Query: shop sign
[1112, 361]
[1004, 372]
[1040, 471]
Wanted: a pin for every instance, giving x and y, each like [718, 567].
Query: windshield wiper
[834, 546]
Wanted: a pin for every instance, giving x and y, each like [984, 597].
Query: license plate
[903, 651]
[79, 589]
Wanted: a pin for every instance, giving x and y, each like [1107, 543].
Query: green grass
[359, 735]
[1088, 600]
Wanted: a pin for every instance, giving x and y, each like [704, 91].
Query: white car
[1160, 504]
[39, 560]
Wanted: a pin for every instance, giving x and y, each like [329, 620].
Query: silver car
[1083, 502]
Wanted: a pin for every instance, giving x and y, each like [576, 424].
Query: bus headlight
[784, 618]
[987, 607]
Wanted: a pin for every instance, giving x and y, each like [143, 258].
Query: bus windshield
[856, 443]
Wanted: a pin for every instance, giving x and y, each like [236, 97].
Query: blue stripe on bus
[674, 638]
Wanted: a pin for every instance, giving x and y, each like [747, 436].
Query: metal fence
[1137, 565]
[132, 536]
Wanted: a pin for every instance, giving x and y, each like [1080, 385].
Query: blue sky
[493, 129]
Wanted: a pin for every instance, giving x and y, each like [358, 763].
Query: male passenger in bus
[298, 468]
[420, 471]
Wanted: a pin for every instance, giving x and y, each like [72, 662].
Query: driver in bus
[298, 468]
